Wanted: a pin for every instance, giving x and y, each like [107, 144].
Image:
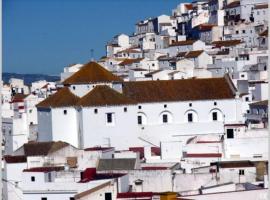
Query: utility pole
[92, 54]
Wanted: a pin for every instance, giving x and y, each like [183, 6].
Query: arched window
[191, 116]
[165, 117]
[141, 118]
[215, 115]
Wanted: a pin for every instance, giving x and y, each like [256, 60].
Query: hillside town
[176, 110]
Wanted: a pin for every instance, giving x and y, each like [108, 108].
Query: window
[241, 172]
[230, 134]
[30, 111]
[33, 179]
[71, 198]
[43, 198]
[243, 31]
[242, 75]
[215, 103]
[108, 196]
[190, 104]
[139, 119]
[190, 117]
[125, 109]
[140, 107]
[95, 110]
[165, 118]
[65, 112]
[214, 116]
[247, 99]
[109, 118]
[236, 32]
[74, 87]
[165, 105]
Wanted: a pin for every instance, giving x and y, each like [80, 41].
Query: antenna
[92, 54]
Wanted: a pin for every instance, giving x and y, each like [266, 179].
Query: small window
[236, 32]
[125, 109]
[140, 107]
[242, 75]
[190, 117]
[109, 118]
[230, 133]
[30, 111]
[165, 105]
[214, 116]
[74, 87]
[33, 179]
[247, 99]
[243, 31]
[95, 110]
[65, 112]
[190, 104]
[241, 172]
[71, 198]
[215, 103]
[165, 118]
[139, 119]
[43, 198]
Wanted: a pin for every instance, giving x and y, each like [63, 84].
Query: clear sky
[44, 36]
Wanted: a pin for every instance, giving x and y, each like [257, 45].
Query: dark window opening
[140, 107]
[65, 112]
[215, 103]
[43, 198]
[214, 116]
[96, 111]
[74, 87]
[109, 117]
[241, 172]
[165, 118]
[125, 109]
[33, 179]
[165, 105]
[230, 133]
[139, 119]
[108, 196]
[247, 99]
[190, 104]
[190, 117]
[71, 198]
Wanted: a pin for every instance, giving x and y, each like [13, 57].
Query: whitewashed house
[184, 46]
[145, 107]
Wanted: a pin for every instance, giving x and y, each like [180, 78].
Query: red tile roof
[203, 155]
[102, 96]
[233, 5]
[226, 43]
[63, 98]
[130, 61]
[183, 43]
[18, 98]
[91, 72]
[134, 195]
[15, 159]
[205, 27]
[261, 6]
[189, 6]
[193, 54]
[42, 148]
[264, 33]
[179, 90]
[98, 149]
[44, 169]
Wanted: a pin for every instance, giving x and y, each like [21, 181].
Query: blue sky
[44, 36]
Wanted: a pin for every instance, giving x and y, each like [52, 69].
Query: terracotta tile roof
[226, 43]
[104, 95]
[193, 54]
[233, 5]
[44, 169]
[42, 148]
[138, 69]
[264, 33]
[234, 164]
[260, 103]
[130, 61]
[205, 27]
[204, 155]
[183, 43]
[130, 50]
[111, 164]
[189, 6]
[152, 73]
[62, 98]
[261, 6]
[15, 159]
[18, 98]
[134, 195]
[178, 90]
[91, 72]
[181, 54]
